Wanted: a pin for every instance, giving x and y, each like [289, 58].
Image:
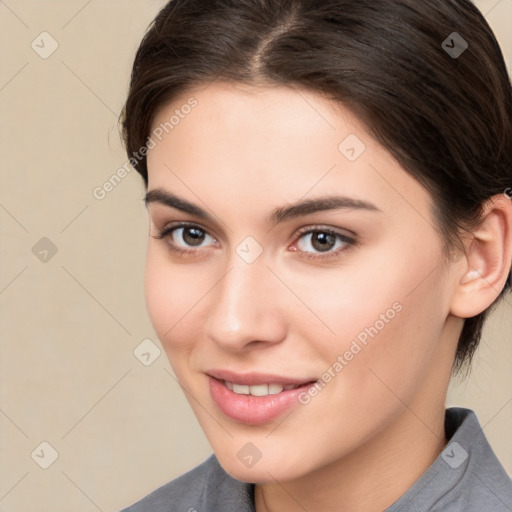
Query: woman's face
[348, 290]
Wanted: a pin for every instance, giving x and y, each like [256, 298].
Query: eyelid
[324, 228]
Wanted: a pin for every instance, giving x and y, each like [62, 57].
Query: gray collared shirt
[466, 477]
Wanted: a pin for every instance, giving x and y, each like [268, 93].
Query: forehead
[271, 144]
[267, 109]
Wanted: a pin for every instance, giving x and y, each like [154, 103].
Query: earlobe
[487, 260]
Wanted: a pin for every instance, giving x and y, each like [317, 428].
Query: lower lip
[253, 410]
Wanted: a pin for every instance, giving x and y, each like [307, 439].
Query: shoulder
[467, 475]
[202, 488]
[185, 487]
[483, 481]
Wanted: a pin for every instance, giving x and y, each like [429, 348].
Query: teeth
[241, 389]
[274, 389]
[259, 389]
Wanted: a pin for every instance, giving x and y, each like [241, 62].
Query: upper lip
[253, 378]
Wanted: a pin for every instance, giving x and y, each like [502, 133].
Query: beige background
[69, 326]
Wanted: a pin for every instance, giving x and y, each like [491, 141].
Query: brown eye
[323, 241]
[313, 242]
[185, 238]
[193, 236]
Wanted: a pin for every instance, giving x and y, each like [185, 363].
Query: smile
[255, 399]
[259, 389]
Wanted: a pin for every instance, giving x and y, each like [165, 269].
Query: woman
[330, 224]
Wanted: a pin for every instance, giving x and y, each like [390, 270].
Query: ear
[484, 269]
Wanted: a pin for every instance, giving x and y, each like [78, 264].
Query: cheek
[173, 293]
[415, 334]
[384, 315]
[358, 300]
[398, 329]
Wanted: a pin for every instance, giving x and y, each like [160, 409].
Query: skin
[378, 424]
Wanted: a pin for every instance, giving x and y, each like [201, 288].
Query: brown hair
[446, 117]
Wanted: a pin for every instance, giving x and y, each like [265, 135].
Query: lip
[254, 410]
[253, 379]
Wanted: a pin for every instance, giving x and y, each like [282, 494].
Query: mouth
[255, 398]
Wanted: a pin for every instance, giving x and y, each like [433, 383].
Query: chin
[274, 467]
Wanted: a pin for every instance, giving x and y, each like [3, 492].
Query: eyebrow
[299, 209]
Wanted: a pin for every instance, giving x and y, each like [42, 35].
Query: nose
[245, 309]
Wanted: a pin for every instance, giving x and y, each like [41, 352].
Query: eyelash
[350, 242]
